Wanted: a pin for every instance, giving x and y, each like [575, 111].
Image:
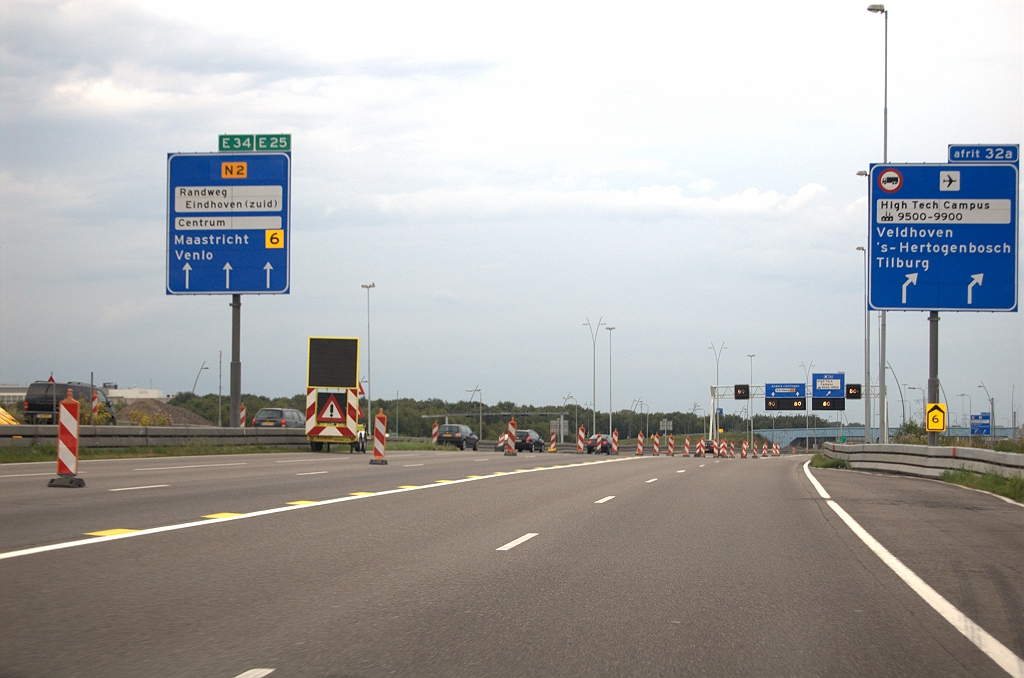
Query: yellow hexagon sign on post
[935, 421]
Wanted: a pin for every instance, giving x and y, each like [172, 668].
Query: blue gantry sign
[943, 237]
[784, 390]
[981, 424]
[228, 223]
[831, 385]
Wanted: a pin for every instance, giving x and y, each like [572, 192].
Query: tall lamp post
[883, 414]
[970, 411]
[609, 378]
[807, 415]
[369, 397]
[481, 394]
[991, 417]
[714, 400]
[867, 350]
[201, 368]
[577, 404]
[750, 410]
[220, 383]
[593, 332]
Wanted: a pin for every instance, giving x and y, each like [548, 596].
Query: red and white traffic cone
[552, 447]
[67, 445]
[615, 441]
[510, 441]
[640, 444]
[671, 445]
[380, 439]
[581, 441]
[433, 433]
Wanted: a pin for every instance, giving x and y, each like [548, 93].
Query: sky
[502, 173]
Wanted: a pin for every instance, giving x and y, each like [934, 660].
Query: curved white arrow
[227, 277]
[188, 268]
[911, 280]
[975, 280]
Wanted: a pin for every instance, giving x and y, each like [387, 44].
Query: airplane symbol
[949, 180]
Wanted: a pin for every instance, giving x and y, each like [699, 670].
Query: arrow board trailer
[332, 396]
[943, 237]
[228, 223]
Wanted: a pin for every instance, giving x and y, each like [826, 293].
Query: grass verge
[819, 460]
[1012, 486]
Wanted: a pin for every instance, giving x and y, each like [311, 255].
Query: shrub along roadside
[1012, 487]
[819, 460]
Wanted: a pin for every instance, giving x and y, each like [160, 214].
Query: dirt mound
[149, 412]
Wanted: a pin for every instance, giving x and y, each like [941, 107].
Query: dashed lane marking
[255, 673]
[702, 466]
[111, 533]
[651, 480]
[410, 465]
[984, 641]
[516, 542]
[683, 471]
[302, 502]
[311, 473]
[172, 468]
[608, 498]
[408, 487]
[362, 494]
[225, 517]
[141, 487]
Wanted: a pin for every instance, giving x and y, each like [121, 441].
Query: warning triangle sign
[331, 411]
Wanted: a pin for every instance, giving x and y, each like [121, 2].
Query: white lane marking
[516, 542]
[481, 460]
[608, 498]
[683, 471]
[984, 641]
[408, 465]
[814, 481]
[297, 461]
[255, 673]
[280, 509]
[169, 468]
[702, 466]
[311, 473]
[651, 480]
[141, 487]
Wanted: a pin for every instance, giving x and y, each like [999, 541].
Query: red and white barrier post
[552, 447]
[657, 443]
[776, 449]
[732, 449]
[241, 416]
[510, 441]
[671, 445]
[380, 438]
[714, 447]
[67, 445]
[615, 441]
[743, 451]
[640, 443]
[700, 448]
[95, 407]
[581, 440]
[686, 446]
[433, 433]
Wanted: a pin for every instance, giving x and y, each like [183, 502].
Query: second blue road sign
[228, 223]
[943, 237]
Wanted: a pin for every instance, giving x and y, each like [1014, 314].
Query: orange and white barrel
[657, 443]
[67, 437]
[640, 443]
[671, 445]
[510, 441]
[433, 433]
[581, 440]
[380, 438]
[615, 441]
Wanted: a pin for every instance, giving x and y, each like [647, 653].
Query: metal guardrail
[165, 436]
[926, 462]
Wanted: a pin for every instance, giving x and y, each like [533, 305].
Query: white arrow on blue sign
[943, 237]
[228, 223]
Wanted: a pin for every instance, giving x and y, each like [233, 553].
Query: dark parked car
[529, 440]
[279, 417]
[41, 396]
[458, 435]
[599, 443]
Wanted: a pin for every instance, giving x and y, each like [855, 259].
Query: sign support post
[236, 360]
[933, 368]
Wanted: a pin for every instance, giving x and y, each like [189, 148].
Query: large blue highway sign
[981, 424]
[228, 223]
[943, 237]
[828, 385]
[784, 390]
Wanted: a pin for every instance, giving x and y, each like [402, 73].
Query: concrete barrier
[107, 437]
[923, 461]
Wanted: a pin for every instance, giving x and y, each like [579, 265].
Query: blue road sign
[825, 385]
[228, 223]
[981, 424]
[943, 237]
[784, 390]
[999, 153]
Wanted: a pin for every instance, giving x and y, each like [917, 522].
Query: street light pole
[867, 353]
[807, 414]
[481, 394]
[201, 368]
[593, 332]
[714, 401]
[369, 383]
[609, 378]
[577, 404]
[991, 417]
[220, 383]
[750, 412]
[883, 413]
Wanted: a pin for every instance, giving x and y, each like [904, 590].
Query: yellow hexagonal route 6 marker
[935, 420]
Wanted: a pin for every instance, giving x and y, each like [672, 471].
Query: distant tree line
[414, 418]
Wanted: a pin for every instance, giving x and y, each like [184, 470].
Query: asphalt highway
[476, 564]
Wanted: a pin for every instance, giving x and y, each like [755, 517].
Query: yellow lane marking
[444, 481]
[223, 515]
[362, 494]
[302, 503]
[475, 477]
[500, 473]
[408, 487]
[110, 533]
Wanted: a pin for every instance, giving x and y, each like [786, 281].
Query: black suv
[599, 443]
[42, 395]
[529, 440]
[279, 417]
[458, 435]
